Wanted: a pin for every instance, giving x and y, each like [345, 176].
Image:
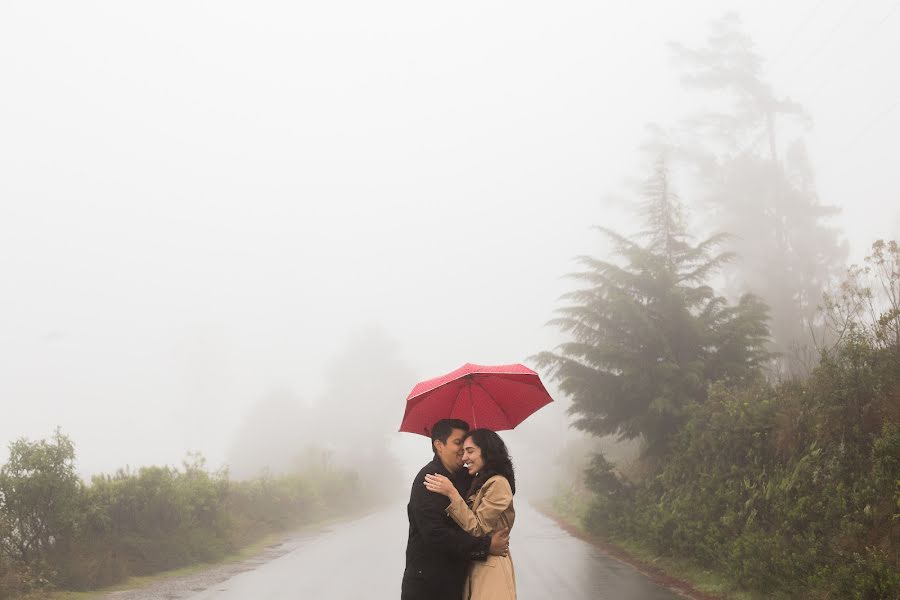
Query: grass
[568, 508]
[244, 553]
[703, 580]
[145, 580]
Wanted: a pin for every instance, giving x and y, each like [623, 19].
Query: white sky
[199, 201]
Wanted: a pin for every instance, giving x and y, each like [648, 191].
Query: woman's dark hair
[496, 459]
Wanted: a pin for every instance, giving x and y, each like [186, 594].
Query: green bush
[790, 489]
[39, 496]
[57, 532]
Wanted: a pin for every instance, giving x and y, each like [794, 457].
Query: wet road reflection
[364, 559]
[550, 563]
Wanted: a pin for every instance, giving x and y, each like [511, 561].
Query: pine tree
[647, 333]
[761, 188]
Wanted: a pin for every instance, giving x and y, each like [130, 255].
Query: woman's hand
[441, 485]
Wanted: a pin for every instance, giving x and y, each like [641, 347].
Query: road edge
[243, 555]
[680, 586]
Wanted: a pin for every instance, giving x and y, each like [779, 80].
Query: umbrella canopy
[495, 397]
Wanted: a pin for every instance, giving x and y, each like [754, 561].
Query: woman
[489, 508]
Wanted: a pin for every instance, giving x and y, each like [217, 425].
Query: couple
[460, 512]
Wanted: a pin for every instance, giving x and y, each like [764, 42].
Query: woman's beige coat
[491, 509]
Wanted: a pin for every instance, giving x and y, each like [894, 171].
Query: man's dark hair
[496, 459]
[443, 428]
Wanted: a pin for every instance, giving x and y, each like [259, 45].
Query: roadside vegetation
[783, 487]
[759, 376]
[58, 532]
[789, 490]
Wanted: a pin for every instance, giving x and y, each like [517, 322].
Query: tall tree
[761, 188]
[647, 333]
[348, 427]
[39, 496]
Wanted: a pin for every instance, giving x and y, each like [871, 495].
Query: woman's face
[472, 458]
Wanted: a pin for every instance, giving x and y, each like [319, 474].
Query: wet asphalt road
[364, 559]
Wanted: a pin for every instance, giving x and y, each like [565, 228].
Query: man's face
[451, 452]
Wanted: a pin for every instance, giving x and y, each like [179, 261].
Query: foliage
[57, 532]
[39, 491]
[649, 335]
[284, 502]
[792, 489]
[273, 434]
[757, 183]
[868, 301]
[140, 523]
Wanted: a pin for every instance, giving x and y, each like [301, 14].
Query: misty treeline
[347, 424]
[291, 462]
[760, 374]
[58, 532]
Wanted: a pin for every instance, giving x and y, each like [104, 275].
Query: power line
[866, 35]
[824, 41]
[850, 141]
[792, 39]
[855, 137]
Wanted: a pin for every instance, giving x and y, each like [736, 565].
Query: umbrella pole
[472, 405]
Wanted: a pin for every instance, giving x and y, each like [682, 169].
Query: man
[438, 551]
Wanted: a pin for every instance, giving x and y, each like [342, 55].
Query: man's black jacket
[438, 551]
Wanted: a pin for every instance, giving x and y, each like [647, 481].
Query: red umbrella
[497, 397]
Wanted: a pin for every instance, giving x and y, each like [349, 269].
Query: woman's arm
[496, 498]
[429, 512]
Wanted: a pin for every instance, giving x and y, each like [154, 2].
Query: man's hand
[500, 542]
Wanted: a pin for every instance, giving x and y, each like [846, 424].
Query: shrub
[792, 489]
[57, 532]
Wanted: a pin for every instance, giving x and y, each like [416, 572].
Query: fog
[208, 208]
